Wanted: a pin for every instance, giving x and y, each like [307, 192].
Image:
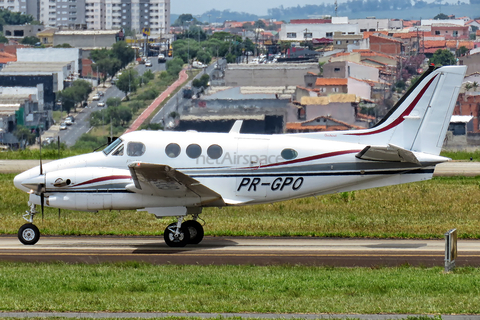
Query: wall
[317, 30]
[32, 81]
[359, 88]
[469, 105]
[385, 45]
[341, 111]
[472, 62]
[268, 75]
[88, 41]
[51, 55]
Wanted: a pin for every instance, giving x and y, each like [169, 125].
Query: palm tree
[475, 85]
[468, 86]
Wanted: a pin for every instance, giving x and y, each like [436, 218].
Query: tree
[3, 39]
[468, 86]
[186, 17]
[63, 45]
[259, 24]
[76, 93]
[475, 85]
[441, 16]
[461, 51]
[127, 82]
[443, 57]
[174, 66]
[123, 52]
[31, 40]
[24, 135]
[107, 67]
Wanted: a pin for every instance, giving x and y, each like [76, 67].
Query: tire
[195, 229]
[181, 241]
[28, 234]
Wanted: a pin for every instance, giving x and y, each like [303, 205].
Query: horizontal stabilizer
[387, 153]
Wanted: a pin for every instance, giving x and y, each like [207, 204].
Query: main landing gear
[179, 234]
[29, 234]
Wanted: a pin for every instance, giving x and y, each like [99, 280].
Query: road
[240, 250]
[82, 123]
[177, 102]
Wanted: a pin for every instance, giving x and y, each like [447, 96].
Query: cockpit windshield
[112, 146]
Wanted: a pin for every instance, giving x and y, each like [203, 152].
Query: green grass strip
[137, 287]
[424, 210]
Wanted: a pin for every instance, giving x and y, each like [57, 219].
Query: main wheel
[28, 234]
[180, 240]
[196, 231]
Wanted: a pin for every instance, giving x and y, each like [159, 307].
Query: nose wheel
[29, 234]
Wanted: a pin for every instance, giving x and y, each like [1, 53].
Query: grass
[417, 210]
[138, 287]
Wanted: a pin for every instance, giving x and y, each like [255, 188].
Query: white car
[101, 104]
[198, 65]
[68, 122]
[148, 63]
[63, 126]
[96, 97]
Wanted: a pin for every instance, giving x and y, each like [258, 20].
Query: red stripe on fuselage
[316, 157]
[400, 119]
[102, 179]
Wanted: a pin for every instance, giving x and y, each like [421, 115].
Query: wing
[164, 181]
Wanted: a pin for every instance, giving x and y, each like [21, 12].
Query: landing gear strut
[180, 234]
[29, 234]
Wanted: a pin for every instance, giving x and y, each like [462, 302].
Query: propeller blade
[41, 169]
[42, 202]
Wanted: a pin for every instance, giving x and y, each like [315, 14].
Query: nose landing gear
[29, 234]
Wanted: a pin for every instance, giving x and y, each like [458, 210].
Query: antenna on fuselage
[236, 127]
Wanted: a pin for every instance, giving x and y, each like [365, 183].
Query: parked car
[63, 126]
[198, 65]
[148, 63]
[161, 58]
[68, 122]
[101, 104]
[96, 97]
[100, 93]
[71, 118]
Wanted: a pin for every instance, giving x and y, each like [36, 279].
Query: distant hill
[354, 9]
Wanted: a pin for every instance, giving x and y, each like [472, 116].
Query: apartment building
[136, 15]
[97, 14]
[63, 13]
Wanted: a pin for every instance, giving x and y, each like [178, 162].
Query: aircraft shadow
[161, 247]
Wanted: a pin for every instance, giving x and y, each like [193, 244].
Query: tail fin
[420, 119]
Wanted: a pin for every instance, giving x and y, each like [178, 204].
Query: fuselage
[242, 168]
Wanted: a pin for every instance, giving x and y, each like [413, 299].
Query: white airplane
[179, 173]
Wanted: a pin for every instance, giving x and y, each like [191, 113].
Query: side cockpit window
[135, 149]
[112, 146]
[118, 152]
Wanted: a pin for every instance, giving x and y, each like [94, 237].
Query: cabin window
[214, 151]
[289, 154]
[172, 150]
[135, 149]
[118, 152]
[112, 146]
[194, 151]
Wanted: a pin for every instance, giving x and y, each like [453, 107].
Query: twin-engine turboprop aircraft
[179, 173]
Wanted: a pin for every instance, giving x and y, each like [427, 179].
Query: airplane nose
[21, 178]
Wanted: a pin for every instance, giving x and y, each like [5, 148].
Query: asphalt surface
[82, 123]
[177, 102]
[240, 251]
